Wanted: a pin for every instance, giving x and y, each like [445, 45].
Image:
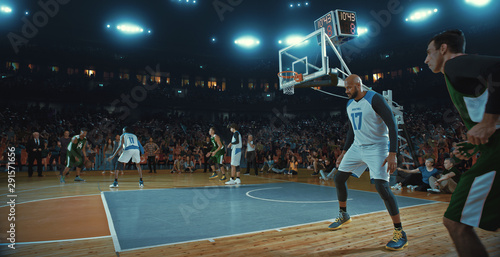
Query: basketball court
[187, 214]
[267, 215]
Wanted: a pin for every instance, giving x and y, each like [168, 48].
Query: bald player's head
[353, 87]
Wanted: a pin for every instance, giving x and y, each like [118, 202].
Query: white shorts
[358, 158]
[133, 154]
[235, 156]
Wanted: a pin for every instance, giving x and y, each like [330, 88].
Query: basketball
[88, 164]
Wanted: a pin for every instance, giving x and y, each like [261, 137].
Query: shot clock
[339, 25]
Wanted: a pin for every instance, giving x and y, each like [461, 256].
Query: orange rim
[293, 75]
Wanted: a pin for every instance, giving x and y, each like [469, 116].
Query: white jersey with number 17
[368, 126]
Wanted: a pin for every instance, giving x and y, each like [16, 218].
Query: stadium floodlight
[5, 9]
[421, 15]
[27, 13]
[129, 28]
[362, 30]
[293, 39]
[291, 5]
[108, 26]
[478, 3]
[247, 42]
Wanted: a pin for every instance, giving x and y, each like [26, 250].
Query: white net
[288, 80]
[288, 90]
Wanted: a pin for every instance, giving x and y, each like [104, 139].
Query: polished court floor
[187, 214]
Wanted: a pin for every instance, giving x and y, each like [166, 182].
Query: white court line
[112, 230]
[284, 201]
[213, 239]
[58, 241]
[34, 189]
[348, 189]
[44, 199]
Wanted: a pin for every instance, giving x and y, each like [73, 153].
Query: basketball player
[132, 149]
[75, 156]
[235, 146]
[473, 82]
[372, 128]
[216, 155]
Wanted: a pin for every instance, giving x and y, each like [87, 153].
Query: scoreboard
[339, 25]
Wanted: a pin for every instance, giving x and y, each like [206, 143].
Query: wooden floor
[69, 220]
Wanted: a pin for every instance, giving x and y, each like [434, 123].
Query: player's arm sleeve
[487, 70]
[381, 107]
[349, 138]
[236, 138]
[140, 147]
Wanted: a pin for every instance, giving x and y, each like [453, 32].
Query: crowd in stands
[433, 132]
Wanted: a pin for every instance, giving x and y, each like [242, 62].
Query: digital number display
[326, 21]
[347, 23]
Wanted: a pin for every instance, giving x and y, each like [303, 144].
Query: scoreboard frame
[335, 24]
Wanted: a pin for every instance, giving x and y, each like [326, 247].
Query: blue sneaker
[223, 177]
[141, 184]
[79, 179]
[343, 218]
[61, 179]
[115, 184]
[214, 176]
[398, 242]
[322, 175]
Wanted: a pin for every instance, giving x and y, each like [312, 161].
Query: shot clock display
[346, 23]
[340, 25]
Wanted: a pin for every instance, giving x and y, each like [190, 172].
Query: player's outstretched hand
[464, 150]
[480, 133]
[391, 163]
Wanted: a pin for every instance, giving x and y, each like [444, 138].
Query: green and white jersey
[215, 146]
[470, 81]
[78, 147]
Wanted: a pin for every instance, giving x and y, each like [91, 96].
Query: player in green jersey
[76, 155]
[216, 155]
[473, 82]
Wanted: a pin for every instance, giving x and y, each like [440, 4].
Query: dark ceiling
[187, 28]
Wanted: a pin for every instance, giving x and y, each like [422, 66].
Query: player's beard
[354, 95]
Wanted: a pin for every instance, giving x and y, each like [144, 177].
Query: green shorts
[218, 158]
[476, 200]
[71, 161]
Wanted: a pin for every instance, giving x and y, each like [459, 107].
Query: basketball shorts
[235, 156]
[133, 154]
[476, 199]
[71, 161]
[218, 158]
[358, 158]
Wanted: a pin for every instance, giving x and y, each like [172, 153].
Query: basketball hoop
[288, 77]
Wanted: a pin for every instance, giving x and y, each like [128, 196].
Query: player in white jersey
[372, 128]
[235, 147]
[132, 149]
